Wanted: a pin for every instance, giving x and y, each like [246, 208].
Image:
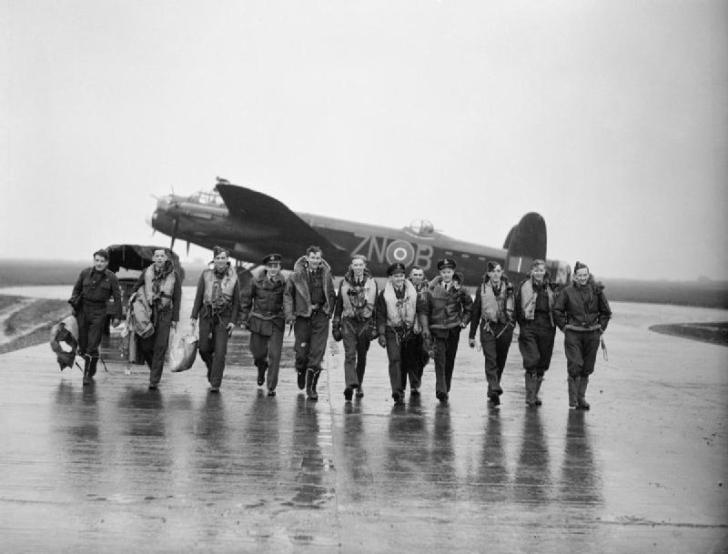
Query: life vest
[401, 311]
[139, 317]
[495, 308]
[529, 297]
[219, 292]
[364, 296]
[166, 287]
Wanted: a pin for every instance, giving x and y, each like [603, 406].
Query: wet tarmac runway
[115, 467]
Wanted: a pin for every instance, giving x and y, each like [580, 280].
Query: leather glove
[336, 333]
[382, 341]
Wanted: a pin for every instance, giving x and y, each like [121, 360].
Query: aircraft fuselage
[211, 224]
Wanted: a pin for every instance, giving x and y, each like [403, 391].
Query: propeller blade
[174, 233]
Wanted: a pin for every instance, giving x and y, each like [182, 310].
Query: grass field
[714, 333]
[15, 273]
[27, 321]
[709, 294]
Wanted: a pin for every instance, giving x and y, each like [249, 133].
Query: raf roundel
[400, 251]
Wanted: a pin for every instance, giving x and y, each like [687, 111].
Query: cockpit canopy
[207, 198]
[421, 227]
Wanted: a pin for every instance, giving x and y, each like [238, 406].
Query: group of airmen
[415, 320]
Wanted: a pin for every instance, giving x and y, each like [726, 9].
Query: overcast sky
[610, 118]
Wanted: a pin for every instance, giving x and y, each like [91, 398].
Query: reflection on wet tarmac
[493, 475]
[359, 475]
[115, 467]
[76, 421]
[310, 492]
[212, 454]
[532, 480]
[406, 453]
[580, 479]
[441, 469]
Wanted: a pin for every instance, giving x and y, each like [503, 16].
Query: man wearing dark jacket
[92, 291]
[354, 322]
[262, 313]
[308, 302]
[162, 290]
[445, 311]
[582, 312]
[216, 305]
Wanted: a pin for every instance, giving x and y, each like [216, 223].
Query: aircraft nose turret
[164, 203]
[166, 217]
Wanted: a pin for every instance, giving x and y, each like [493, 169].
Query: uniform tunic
[262, 311]
[89, 298]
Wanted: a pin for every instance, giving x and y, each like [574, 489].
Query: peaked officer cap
[395, 268]
[446, 262]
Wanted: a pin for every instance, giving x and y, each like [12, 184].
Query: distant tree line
[701, 292]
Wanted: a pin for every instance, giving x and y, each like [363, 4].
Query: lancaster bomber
[252, 224]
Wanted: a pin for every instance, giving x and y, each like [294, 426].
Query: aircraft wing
[254, 207]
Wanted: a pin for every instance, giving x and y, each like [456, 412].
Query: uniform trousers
[311, 335]
[414, 360]
[536, 343]
[395, 350]
[355, 336]
[91, 321]
[581, 349]
[446, 347]
[266, 351]
[154, 347]
[213, 345]
[495, 344]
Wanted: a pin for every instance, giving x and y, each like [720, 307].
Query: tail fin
[525, 242]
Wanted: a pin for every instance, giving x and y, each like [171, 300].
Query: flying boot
[94, 363]
[311, 380]
[494, 390]
[316, 376]
[87, 369]
[572, 381]
[262, 367]
[581, 402]
[537, 380]
[529, 380]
